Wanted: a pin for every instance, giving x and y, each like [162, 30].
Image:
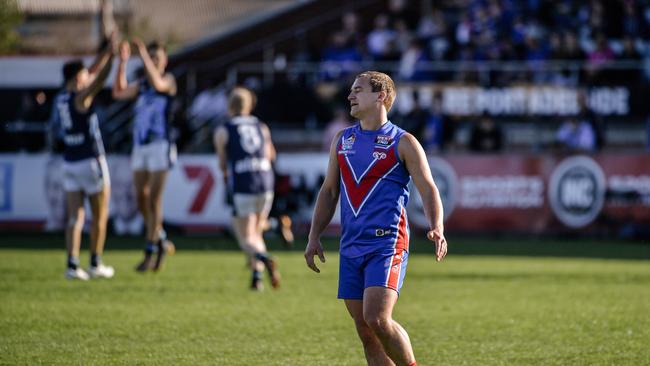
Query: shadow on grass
[458, 245]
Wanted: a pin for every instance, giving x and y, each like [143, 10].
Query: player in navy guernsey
[85, 169]
[153, 152]
[370, 167]
[245, 153]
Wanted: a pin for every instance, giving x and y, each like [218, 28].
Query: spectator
[438, 131]
[602, 54]
[413, 63]
[380, 38]
[340, 58]
[340, 121]
[350, 28]
[211, 103]
[486, 136]
[576, 136]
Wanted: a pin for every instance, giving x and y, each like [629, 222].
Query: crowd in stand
[415, 33]
[408, 37]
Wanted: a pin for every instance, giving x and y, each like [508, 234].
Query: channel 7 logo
[5, 187]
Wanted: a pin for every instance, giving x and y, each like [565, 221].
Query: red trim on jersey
[357, 192]
[402, 241]
[395, 269]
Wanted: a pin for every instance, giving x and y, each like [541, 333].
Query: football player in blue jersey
[370, 166]
[245, 152]
[153, 151]
[85, 169]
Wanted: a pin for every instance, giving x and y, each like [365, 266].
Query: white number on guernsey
[64, 114]
[250, 138]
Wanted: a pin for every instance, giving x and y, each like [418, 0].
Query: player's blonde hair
[380, 82]
[241, 101]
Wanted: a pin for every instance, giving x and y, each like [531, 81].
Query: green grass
[467, 310]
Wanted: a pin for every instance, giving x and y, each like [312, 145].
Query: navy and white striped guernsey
[250, 170]
[152, 115]
[79, 131]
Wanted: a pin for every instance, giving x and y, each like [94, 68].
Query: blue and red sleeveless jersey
[374, 191]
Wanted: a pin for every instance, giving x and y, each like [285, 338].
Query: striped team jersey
[79, 131]
[250, 170]
[152, 115]
[374, 191]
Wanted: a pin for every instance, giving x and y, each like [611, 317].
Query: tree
[10, 17]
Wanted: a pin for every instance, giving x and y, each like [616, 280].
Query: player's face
[83, 78]
[361, 98]
[159, 58]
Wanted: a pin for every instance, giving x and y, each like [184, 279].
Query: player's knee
[378, 323]
[100, 221]
[75, 222]
[142, 198]
[366, 335]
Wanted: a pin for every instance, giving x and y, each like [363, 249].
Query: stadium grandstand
[475, 77]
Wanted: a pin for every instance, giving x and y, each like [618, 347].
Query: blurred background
[534, 113]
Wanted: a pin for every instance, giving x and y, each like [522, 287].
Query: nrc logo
[378, 155]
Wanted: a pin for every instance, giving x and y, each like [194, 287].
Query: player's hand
[142, 49]
[314, 247]
[125, 51]
[438, 238]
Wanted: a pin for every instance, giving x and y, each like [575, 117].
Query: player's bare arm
[162, 83]
[270, 148]
[415, 160]
[325, 207]
[121, 89]
[85, 97]
[108, 30]
[220, 139]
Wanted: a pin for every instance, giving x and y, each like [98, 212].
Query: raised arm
[121, 89]
[162, 83]
[85, 97]
[108, 30]
[220, 139]
[412, 154]
[325, 207]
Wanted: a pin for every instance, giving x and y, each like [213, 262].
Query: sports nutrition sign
[540, 193]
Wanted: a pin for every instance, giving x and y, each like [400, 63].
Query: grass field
[486, 304]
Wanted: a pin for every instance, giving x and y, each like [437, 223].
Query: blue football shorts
[383, 269]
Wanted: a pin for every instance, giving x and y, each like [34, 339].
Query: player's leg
[244, 228]
[378, 304]
[99, 206]
[263, 205]
[154, 229]
[76, 215]
[372, 347]
[141, 181]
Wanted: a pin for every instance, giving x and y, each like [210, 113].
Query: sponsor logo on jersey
[252, 165]
[378, 155]
[348, 142]
[383, 140]
[382, 232]
[576, 191]
[74, 139]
